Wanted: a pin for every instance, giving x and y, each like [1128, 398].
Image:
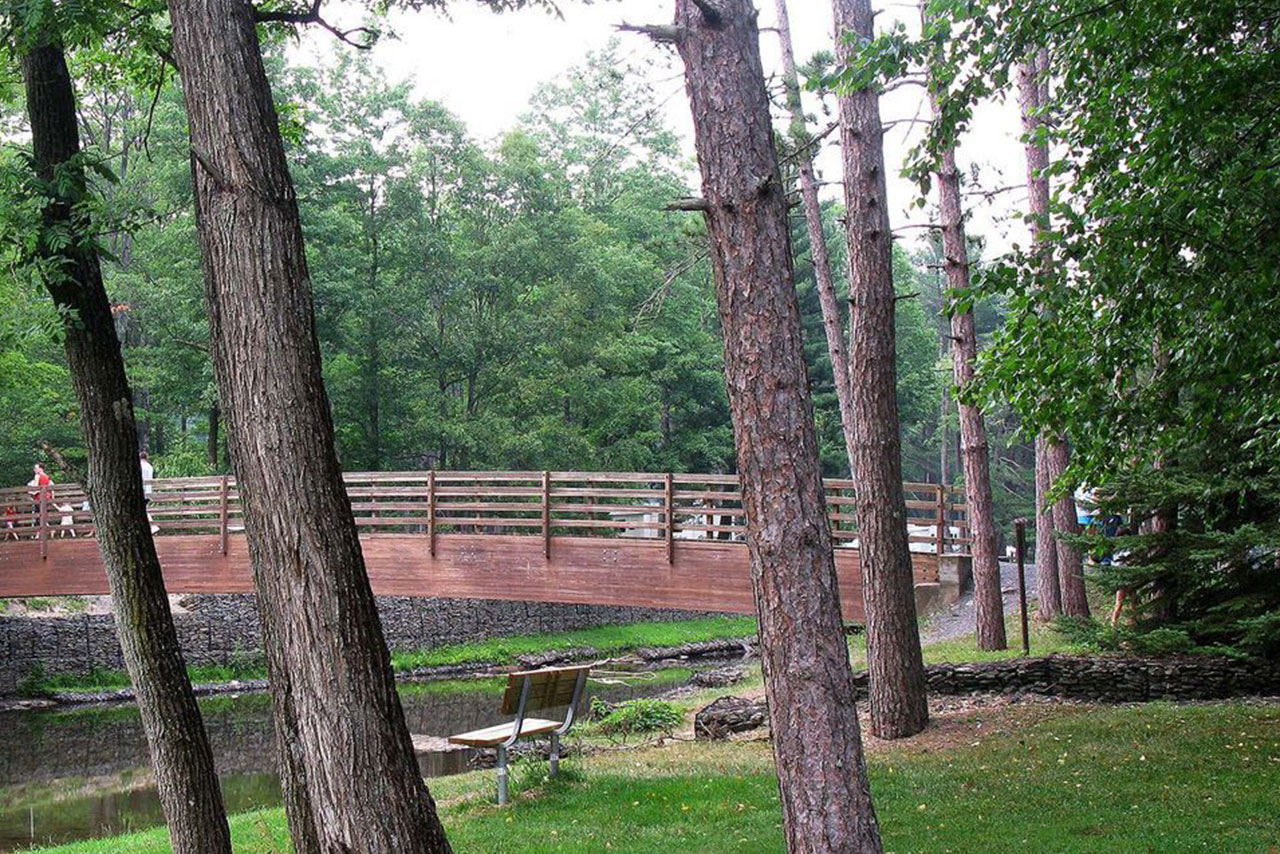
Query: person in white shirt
[148, 473]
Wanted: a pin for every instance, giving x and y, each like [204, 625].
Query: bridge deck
[645, 540]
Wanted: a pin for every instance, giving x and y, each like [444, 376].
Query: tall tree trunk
[1052, 577]
[899, 706]
[211, 445]
[180, 754]
[1048, 588]
[1070, 562]
[1164, 521]
[826, 799]
[975, 456]
[831, 324]
[348, 770]
[373, 338]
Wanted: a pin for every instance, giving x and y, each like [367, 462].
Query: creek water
[81, 773]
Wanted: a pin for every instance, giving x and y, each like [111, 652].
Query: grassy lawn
[606, 640]
[1045, 640]
[1154, 778]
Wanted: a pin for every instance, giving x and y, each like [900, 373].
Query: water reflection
[83, 773]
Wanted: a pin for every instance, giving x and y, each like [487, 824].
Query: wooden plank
[549, 688]
[223, 515]
[44, 524]
[668, 517]
[431, 512]
[713, 575]
[940, 533]
[546, 515]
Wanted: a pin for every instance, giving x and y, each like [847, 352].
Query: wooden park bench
[531, 691]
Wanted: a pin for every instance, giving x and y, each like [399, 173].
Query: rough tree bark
[1075, 602]
[831, 324]
[176, 739]
[211, 443]
[1051, 575]
[975, 456]
[899, 706]
[350, 779]
[826, 799]
[1048, 588]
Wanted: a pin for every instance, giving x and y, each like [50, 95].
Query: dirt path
[958, 619]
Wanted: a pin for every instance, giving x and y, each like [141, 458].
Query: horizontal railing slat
[451, 501]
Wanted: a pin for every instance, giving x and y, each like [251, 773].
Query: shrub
[636, 716]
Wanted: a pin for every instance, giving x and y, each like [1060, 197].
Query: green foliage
[1146, 331]
[634, 717]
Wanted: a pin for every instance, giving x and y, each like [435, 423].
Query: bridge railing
[670, 507]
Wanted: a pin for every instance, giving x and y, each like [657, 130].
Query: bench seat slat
[495, 735]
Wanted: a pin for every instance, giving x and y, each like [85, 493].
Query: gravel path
[958, 619]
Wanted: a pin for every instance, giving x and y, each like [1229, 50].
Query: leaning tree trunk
[975, 457]
[1052, 577]
[179, 748]
[1075, 603]
[350, 779]
[822, 778]
[899, 706]
[831, 324]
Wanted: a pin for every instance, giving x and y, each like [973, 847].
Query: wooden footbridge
[648, 540]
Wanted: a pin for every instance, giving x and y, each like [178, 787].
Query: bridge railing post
[546, 515]
[223, 513]
[431, 512]
[44, 523]
[668, 507]
[941, 533]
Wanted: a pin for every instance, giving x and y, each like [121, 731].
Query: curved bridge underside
[645, 540]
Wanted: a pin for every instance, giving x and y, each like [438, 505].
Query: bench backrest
[549, 688]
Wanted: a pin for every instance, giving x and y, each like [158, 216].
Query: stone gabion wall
[223, 628]
[1107, 679]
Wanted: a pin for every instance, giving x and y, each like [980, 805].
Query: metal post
[222, 515]
[555, 754]
[431, 512]
[1020, 527]
[502, 775]
[44, 523]
[669, 514]
[546, 515]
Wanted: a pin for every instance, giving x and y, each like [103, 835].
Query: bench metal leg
[555, 754]
[502, 775]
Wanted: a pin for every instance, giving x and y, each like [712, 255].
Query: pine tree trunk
[179, 748]
[826, 799]
[348, 770]
[899, 706]
[1052, 577]
[1048, 588]
[1075, 603]
[831, 325]
[975, 456]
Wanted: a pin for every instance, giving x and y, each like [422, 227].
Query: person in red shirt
[44, 486]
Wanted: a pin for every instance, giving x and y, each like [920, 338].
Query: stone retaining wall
[1107, 679]
[224, 628]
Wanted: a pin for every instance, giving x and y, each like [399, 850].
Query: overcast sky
[484, 67]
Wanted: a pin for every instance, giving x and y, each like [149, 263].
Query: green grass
[1045, 640]
[607, 640]
[1069, 780]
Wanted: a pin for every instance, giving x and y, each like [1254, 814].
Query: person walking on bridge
[148, 474]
